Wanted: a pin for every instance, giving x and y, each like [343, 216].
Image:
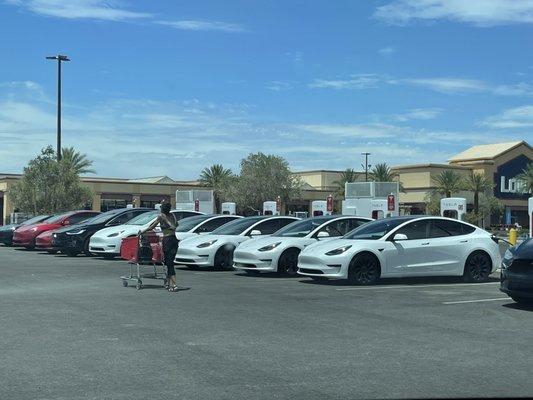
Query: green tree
[263, 177]
[447, 183]
[526, 178]
[347, 176]
[49, 186]
[478, 184]
[77, 161]
[382, 173]
[219, 179]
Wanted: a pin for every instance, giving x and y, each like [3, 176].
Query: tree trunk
[476, 202]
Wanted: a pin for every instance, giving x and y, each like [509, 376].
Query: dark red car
[26, 235]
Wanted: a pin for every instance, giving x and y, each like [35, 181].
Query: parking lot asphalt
[69, 330]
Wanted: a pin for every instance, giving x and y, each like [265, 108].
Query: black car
[517, 272]
[6, 231]
[75, 239]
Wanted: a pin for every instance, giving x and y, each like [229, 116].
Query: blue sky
[169, 87]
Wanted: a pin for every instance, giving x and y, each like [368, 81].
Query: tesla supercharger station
[371, 199]
[195, 200]
[530, 213]
[270, 208]
[229, 208]
[453, 207]
[319, 207]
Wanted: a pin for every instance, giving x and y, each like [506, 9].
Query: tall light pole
[366, 165]
[59, 59]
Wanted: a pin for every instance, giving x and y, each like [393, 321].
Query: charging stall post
[453, 207]
[229, 208]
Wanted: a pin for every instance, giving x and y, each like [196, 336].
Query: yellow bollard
[512, 236]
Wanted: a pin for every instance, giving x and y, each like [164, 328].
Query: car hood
[122, 230]
[257, 243]
[199, 239]
[324, 247]
[186, 235]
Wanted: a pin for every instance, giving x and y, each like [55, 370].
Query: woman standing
[168, 224]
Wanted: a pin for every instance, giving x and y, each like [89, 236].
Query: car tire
[71, 252]
[86, 248]
[224, 258]
[478, 267]
[364, 269]
[31, 246]
[522, 300]
[288, 262]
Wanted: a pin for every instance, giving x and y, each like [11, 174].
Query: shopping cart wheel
[124, 283]
[139, 285]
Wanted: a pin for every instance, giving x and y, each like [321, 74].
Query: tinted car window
[267, 227]
[76, 218]
[237, 227]
[211, 225]
[123, 218]
[355, 223]
[416, 230]
[445, 228]
[187, 224]
[336, 228]
[375, 230]
[301, 228]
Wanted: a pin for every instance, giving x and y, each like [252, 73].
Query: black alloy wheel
[288, 262]
[364, 270]
[224, 259]
[478, 267]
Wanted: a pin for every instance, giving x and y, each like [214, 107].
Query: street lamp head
[58, 57]
[51, 57]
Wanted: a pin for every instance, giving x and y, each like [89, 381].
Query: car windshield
[104, 217]
[375, 230]
[35, 220]
[55, 218]
[236, 227]
[301, 228]
[143, 219]
[186, 224]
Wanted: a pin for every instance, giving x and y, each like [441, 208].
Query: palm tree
[477, 183]
[76, 160]
[526, 178]
[347, 176]
[447, 182]
[218, 178]
[382, 173]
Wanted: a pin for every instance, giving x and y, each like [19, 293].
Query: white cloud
[356, 81]
[198, 25]
[519, 117]
[387, 51]
[422, 114]
[350, 130]
[80, 9]
[278, 86]
[449, 85]
[476, 12]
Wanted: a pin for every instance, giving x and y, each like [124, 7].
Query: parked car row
[360, 250]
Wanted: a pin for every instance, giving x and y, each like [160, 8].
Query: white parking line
[475, 301]
[414, 286]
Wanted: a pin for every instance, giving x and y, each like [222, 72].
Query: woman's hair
[165, 208]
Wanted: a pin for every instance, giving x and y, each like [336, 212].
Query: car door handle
[424, 244]
[463, 241]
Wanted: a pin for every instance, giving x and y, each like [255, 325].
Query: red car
[26, 235]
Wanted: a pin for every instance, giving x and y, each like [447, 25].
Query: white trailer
[270, 208]
[229, 208]
[371, 199]
[453, 207]
[195, 200]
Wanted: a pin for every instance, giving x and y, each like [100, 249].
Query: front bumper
[6, 237]
[519, 284]
[249, 261]
[105, 246]
[317, 266]
[24, 239]
[44, 243]
[191, 257]
[66, 242]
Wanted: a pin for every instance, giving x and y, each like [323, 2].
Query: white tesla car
[106, 242]
[216, 249]
[401, 247]
[202, 224]
[279, 252]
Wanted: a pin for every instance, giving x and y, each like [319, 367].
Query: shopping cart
[143, 252]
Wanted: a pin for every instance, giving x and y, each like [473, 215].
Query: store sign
[506, 186]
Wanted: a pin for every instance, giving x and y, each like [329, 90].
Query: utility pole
[366, 165]
[59, 59]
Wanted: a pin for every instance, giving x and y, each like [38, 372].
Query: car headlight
[115, 234]
[13, 228]
[55, 235]
[269, 247]
[206, 244]
[338, 251]
[33, 229]
[76, 232]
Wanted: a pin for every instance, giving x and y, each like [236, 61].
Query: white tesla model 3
[106, 242]
[401, 247]
[279, 252]
[216, 249]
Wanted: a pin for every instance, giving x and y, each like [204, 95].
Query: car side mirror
[399, 237]
[255, 232]
[322, 234]
[65, 222]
